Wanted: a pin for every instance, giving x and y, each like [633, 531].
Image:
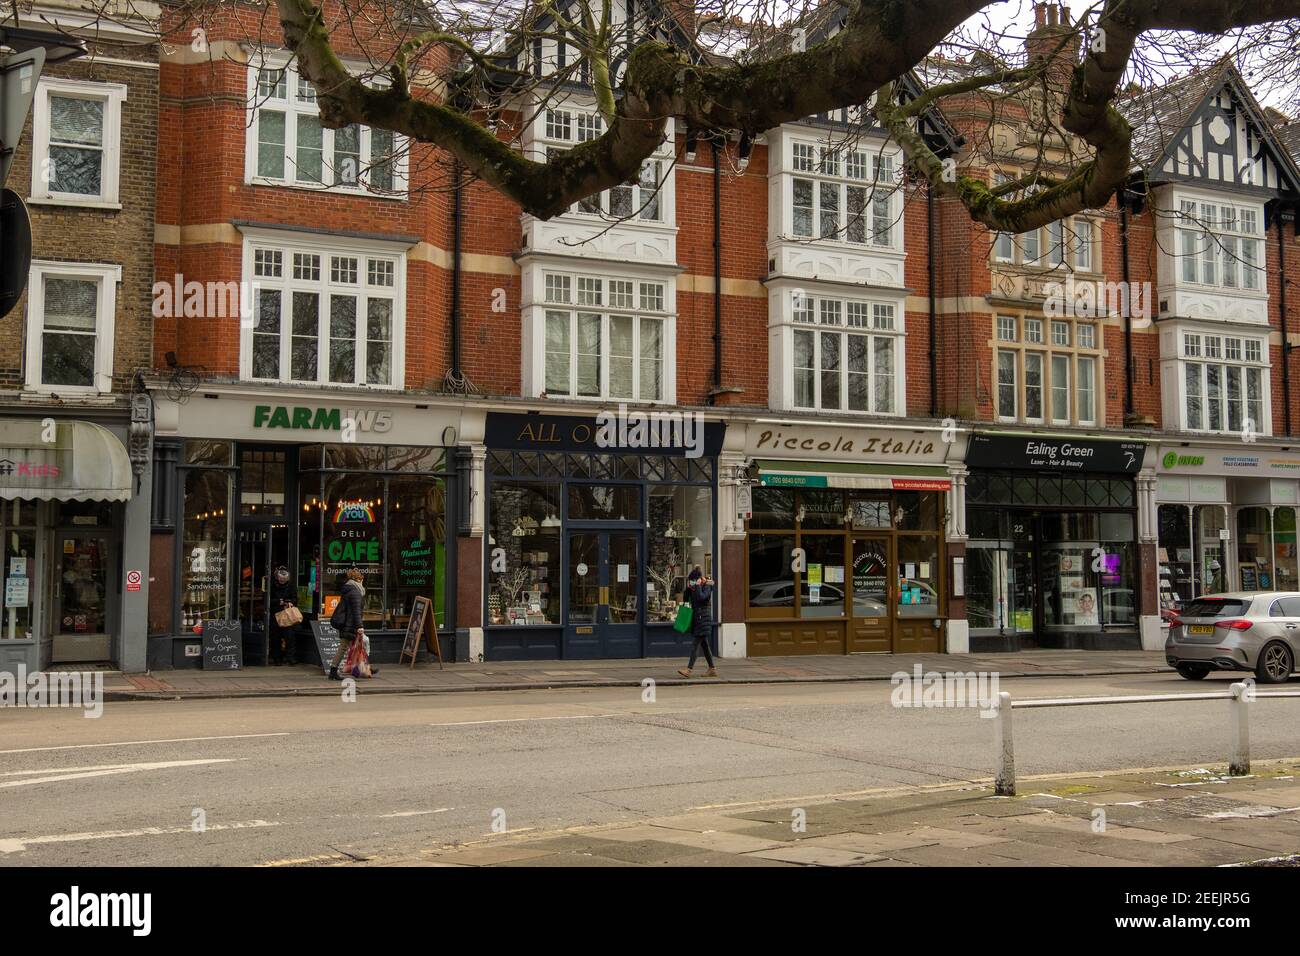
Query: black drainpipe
[1128, 310]
[929, 230]
[717, 273]
[1286, 345]
[456, 370]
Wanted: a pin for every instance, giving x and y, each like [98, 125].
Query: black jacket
[350, 606]
[699, 595]
[282, 594]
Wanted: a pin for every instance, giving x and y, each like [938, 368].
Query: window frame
[107, 275]
[1217, 249]
[830, 172]
[604, 307]
[1048, 350]
[1073, 243]
[292, 107]
[112, 95]
[1196, 358]
[800, 302]
[326, 247]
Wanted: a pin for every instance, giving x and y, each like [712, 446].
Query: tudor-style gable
[1208, 130]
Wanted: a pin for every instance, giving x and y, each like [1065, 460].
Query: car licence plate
[1200, 629]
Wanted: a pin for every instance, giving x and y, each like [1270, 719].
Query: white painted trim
[107, 275]
[325, 245]
[113, 95]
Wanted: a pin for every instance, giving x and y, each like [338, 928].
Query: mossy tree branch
[879, 42]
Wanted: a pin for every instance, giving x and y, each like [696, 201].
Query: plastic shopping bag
[685, 615]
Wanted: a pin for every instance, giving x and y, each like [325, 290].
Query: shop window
[871, 512]
[604, 502]
[261, 482]
[416, 556]
[679, 537]
[353, 526]
[773, 508]
[18, 519]
[1209, 523]
[1176, 556]
[204, 548]
[1284, 549]
[1254, 549]
[771, 581]
[205, 452]
[347, 457]
[821, 592]
[524, 553]
[820, 510]
[1118, 578]
[917, 510]
[918, 576]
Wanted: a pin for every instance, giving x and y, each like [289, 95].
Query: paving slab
[815, 856]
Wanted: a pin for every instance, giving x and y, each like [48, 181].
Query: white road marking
[18, 844]
[81, 773]
[412, 813]
[137, 743]
[522, 720]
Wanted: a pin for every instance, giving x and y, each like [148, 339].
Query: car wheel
[1192, 673]
[1275, 664]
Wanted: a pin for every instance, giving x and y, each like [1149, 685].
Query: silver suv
[1239, 631]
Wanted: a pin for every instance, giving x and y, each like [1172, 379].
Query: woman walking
[347, 619]
[699, 592]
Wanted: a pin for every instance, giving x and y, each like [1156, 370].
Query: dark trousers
[701, 641]
[282, 639]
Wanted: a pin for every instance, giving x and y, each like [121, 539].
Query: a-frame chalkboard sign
[421, 618]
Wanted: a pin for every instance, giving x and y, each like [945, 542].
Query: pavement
[1193, 816]
[425, 678]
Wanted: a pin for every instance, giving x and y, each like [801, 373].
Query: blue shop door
[603, 611]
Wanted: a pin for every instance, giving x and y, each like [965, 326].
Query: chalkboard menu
[327, 642]
[223, 646]
[415, 630]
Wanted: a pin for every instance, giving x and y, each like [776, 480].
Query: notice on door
[623, 573]
[16, 591]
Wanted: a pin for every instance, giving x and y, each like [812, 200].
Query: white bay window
[846, 355]
[843, 196]
[605, 338]
[1219, 245]
[1225, 379]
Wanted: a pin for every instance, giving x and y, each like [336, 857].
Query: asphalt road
[307, 780]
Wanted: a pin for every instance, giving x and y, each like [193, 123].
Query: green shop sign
[321, 419]
[795, 481]
[1174, 460]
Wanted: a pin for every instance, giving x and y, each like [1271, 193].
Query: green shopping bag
[685, 615]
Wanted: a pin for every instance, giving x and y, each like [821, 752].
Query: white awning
[62, 461]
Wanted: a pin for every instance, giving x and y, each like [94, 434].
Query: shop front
[846, 532]
[1053, 558]
[1227, 519]
[66, 487]
[592, 526]
[316, 484]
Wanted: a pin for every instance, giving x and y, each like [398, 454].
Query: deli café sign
[1055, 454]
[885, 447]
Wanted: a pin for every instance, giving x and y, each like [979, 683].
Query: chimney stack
[1055, 36]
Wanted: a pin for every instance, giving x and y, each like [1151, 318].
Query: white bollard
[1004, 784]
[1239, 764]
